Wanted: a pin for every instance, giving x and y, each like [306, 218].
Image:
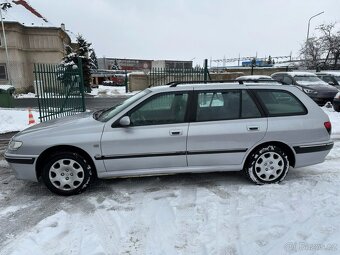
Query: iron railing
[60, 90]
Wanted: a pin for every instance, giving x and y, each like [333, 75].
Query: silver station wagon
[262, 130]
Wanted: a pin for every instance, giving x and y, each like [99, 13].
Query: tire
[267, 165]
[67, 173]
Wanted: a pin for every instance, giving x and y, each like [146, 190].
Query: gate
[60, 90]
[162, 76]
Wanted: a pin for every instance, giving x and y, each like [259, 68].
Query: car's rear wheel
[268, 164]
[67, 173]
[336, 108]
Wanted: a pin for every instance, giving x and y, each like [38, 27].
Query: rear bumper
[22, 165]
[311, 154]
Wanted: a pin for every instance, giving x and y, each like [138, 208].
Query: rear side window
[225, 105]
[281, 103]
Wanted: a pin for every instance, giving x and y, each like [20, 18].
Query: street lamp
[309, 23]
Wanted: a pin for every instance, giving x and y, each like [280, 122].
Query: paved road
[92, 103]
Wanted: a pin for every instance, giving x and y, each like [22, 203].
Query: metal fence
[60, 90]
[162, 76]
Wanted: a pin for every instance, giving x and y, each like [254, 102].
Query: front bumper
[22, 165]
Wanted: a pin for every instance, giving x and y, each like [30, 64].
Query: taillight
[328, 126]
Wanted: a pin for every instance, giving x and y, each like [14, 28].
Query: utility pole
[309, 23]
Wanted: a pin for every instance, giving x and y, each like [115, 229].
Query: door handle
[176, 132]
[253, 128]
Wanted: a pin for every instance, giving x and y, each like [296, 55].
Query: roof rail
[175, 83]
[241, 81]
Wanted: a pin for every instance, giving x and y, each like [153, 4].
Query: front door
[155, 139]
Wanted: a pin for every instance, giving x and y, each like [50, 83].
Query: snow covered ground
[15, 119]
[109, 91]
[215, 213]
[101, 91]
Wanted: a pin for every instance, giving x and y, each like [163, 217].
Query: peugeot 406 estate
[263, 130]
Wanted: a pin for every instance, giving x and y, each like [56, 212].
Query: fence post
[126, 82]
[81, 83]
[205, 70]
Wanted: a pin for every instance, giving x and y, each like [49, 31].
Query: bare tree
[312, 52]
[324, 50]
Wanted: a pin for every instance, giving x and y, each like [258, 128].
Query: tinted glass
[161, 109]
[281, 103]
[287, 80]
[249, 108]
[220, 105]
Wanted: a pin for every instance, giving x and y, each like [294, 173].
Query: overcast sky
[186, 29]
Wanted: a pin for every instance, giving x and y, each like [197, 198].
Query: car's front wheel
[268, 164]
[67, 173]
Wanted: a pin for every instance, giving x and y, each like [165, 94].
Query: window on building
[3, 73]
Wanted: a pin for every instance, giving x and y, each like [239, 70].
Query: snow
[216, 213]
[6, 87]
[302, 74]
[335, 73]
[107, 91]
[15, 120]
[255, 77]
[28, 95]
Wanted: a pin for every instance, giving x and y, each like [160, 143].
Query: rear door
[226, 125]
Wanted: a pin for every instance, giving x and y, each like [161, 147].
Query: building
[172, 64]
[124, 64]
[141, 64]
[28, 45]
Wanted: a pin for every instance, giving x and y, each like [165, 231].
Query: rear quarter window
[280, 103]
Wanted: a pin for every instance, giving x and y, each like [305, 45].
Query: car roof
[335, 73]
[296, 73]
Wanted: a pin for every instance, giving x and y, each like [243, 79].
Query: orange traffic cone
[30, 117]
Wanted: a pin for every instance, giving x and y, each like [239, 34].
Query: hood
[321, 87]
[63, 124]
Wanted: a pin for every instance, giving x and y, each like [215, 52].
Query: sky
[186, 29]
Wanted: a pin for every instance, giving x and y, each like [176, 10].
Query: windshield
[106, 114]
[337, 78]
[308, 80]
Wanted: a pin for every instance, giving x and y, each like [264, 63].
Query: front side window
[225, 105]
[161, 109]
[281, 103]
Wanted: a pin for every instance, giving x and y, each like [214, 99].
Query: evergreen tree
[83, 52]
[94, 60]
[269, 61]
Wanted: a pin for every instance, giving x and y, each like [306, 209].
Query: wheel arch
[44, 156]
[286, 148]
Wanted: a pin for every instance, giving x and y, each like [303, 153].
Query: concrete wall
[141, 81]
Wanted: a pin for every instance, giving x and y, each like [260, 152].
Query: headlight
[309, 91]
[14, 145]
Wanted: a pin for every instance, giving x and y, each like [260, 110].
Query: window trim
[249, 91]
[255, 91]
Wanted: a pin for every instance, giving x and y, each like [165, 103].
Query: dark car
[331, 77]
[320, 91]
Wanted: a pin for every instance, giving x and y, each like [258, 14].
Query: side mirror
[331, 83]
[125, 121]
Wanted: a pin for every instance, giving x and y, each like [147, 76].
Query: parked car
[264, 79]
[317, 89]
[331, 77]
[176, 129]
